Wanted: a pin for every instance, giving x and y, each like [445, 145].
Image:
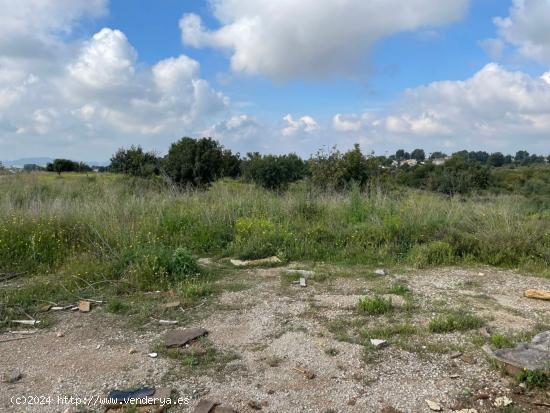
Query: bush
[199, 162]
[66, 165]
[159, 267]
[448, 323]
[135, 162]
[432, 254]
[334, 170]
[274, 172]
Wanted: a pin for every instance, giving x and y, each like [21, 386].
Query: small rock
[378, 343]
[153, 355]
[390, 409]
[271, 391]
[253, 404]
[434, 406]
[59, 335]
[454, 376]
[12, 376]
[380, 271]
[503, 401]
[98, 347]
[481, 396]
[481, 274]
[455, 355]
[132, 351]
[352, 402]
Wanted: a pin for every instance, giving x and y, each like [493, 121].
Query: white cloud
[351, 122]
[496, 108]
[305, 124]
[528, 28]
[310, 38]
[90, 97]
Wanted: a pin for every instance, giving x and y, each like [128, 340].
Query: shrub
[134, 161]
[535, 378]
[274, 172]
[432, 254]
[183, 265]
[447, 323]
[117, 306]
[375, 306]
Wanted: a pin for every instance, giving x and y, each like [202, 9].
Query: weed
[332, 352]
[117, 306]
[535, 378]
[399, 289]
[501, 341]
[375, 306]
[454, 321]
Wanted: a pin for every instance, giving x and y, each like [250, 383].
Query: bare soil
[265, 339]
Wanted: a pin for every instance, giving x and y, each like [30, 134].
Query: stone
[12, 376]
[502, 401]
[378, 343]
[179, 338]
[526, 356]
[380, 271]
[434, 406]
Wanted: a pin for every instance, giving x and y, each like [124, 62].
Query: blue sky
[81, 78]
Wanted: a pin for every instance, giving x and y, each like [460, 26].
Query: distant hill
[19, 163]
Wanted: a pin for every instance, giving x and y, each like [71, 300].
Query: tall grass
[46, 221]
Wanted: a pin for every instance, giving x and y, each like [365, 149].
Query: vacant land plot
[284, 348]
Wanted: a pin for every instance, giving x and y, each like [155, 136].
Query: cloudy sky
[81, 78]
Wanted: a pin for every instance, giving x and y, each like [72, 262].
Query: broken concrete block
[526, 356]
[84, 306]
[179, 338]
[256, 263]
[378, 343]
[304, 273]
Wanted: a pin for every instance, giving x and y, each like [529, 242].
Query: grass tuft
[375, 306]
[455, 321]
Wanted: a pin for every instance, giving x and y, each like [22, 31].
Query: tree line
[199, 162]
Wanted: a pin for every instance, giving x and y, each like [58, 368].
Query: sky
[81, 78]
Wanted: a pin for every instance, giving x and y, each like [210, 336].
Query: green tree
[496, 159]
[419, 155]
[199, 162]
[134, 161]
[66, 165]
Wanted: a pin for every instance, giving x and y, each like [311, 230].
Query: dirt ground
[264, 335]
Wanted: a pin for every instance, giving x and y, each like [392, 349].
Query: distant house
[409, 162]
[440, 161]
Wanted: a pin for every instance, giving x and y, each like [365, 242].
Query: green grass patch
[375, 306]
[455, 321]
